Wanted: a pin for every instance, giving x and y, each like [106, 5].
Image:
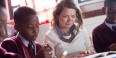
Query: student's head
[110, 10]
[26, 22]
[3, 18]
[66, 14]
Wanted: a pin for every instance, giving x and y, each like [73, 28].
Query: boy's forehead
[30, 18]
[112, 5]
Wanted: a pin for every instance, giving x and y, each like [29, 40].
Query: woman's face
[67, 18]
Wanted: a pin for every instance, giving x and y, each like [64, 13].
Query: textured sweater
[81, 42]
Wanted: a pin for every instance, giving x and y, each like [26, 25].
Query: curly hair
[66, 4]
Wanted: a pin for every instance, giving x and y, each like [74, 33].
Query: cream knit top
[80, 43]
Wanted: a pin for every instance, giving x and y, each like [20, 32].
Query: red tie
[114, 28]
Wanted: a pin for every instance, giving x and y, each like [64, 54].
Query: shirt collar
[61, 33]
[26, 42]
[109, 25]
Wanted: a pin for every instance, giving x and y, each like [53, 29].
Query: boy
[26, 23]
[104, 35]
[3, 32]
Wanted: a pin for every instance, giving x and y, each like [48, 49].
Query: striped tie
[30, 47]
[114, 28]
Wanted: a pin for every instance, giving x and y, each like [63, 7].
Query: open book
[109, 54]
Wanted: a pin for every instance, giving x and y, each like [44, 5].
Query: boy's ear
[103, 10]
[16, 27]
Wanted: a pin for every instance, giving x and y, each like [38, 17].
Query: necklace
[68, 40]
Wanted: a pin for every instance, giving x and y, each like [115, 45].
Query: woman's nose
[69, 19]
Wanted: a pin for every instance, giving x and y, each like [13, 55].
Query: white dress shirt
[26, 42]
[110, 25]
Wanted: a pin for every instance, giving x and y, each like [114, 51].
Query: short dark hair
[2, 3]
[107, 2]
[23, 12]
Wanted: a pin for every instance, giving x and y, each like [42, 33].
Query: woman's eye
[73, 16]
[64, 16]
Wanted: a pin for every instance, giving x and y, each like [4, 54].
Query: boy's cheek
[115, 21]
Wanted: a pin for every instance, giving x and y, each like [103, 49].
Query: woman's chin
[68, 27]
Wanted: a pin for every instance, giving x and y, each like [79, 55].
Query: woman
[67, 32]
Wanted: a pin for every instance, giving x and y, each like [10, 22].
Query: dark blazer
[13, 45]
[103, 37]
[4, 54]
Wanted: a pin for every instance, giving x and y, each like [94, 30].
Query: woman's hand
[45, 52]
[83, 54]
[88, 52]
